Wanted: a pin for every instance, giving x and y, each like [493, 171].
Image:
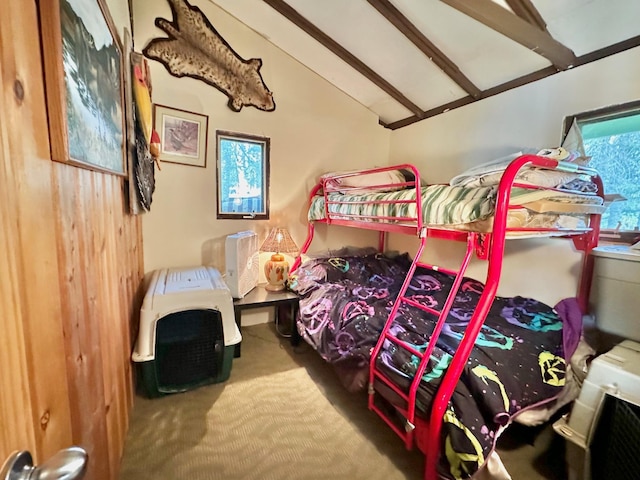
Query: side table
[260, 297]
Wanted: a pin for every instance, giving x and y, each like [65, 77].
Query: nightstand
[260, 297]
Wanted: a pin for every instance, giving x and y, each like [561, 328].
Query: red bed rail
[487, 246]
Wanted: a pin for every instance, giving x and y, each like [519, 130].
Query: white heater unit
[242, 262]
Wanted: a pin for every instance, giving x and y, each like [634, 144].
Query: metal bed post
[494, 269]
[310, 232]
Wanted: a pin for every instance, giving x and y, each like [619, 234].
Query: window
[242, 170]
[611, 137]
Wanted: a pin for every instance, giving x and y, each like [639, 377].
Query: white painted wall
[529, 116]
[315, 128]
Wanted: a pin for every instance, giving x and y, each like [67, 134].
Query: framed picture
[183, 136]
[84, 81]
[242, 169]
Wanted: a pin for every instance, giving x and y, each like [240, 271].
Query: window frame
[603, 113]
[265, 143]
[606, 113]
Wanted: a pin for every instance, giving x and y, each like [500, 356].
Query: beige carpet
[284, 415]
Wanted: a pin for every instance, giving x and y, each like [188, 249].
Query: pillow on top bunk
[573, 140]
[386, 181]
[565, 155]
[490, 173]
[531, 176]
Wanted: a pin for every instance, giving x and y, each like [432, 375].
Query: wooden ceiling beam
[305, 25]
[521, 31]
[415, 36]
[594, 56]
[527, 11]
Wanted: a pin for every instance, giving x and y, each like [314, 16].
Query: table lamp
[276, 269]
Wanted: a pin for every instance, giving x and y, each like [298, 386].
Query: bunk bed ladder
[409, 398]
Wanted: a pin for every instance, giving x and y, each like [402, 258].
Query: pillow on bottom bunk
[341, 252]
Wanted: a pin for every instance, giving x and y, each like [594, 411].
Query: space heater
[242, 262]
[187, 332]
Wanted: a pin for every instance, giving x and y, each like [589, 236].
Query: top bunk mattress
[460, 207]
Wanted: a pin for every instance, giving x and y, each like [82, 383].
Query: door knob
[67, 464]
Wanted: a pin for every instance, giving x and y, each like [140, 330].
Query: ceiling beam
[527, 11]
[521, 31]
[585, 59]
[409, 30]
[305, 25]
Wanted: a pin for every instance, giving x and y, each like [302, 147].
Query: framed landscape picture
[84, 80]
[183, 136]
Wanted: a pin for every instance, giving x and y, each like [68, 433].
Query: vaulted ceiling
[407, 60]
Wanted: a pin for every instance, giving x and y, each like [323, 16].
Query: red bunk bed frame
[425, 434]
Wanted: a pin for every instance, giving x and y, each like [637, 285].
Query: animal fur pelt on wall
[196, 49]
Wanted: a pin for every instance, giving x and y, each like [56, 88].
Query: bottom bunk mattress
[519, 361]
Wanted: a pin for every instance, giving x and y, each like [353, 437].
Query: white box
[242, 262]
[615, 290]
[616, 372]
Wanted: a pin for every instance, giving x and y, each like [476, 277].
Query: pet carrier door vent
[189, 349]
[615, 452]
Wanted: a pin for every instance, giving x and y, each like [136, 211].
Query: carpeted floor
[284, 415]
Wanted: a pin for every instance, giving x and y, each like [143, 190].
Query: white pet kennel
[611, 390]
[187, 330]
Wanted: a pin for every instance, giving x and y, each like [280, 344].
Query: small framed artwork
[242, 170]
[183, 136]
[84, 81]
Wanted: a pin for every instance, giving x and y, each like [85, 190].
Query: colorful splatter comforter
[518, 361]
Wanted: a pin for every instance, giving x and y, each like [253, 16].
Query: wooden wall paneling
[70, 278]
[47, 375]
[127, 295]
[42, 383]
[110, 330]
[97, 270]
[82, 335]
[129, 283]
[98, 202]
[136, 281]
[136, 286]
[128, 308]
[15, 400]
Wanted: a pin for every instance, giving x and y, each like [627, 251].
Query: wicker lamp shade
[276, 269]
[279, 240]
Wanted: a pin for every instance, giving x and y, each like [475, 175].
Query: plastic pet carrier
[187, 331]
[602, 432]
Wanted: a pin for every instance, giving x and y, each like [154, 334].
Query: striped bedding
[441, 204]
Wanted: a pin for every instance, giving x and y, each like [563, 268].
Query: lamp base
[274, 288]
[276, 270]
